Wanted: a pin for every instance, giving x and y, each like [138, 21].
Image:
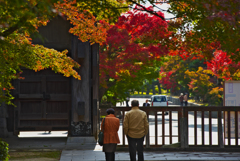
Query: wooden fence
[223, 116]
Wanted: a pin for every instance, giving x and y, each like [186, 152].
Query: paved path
[97, 155]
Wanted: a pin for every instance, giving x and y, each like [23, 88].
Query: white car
[159, 100]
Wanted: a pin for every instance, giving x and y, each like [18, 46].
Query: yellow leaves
[57, 61]
[236, 75]
[208, 72]
[38, 66]
[86, 27]
[126, 72]
[199, 78]
[216, 91]
[190, 73]
[138, 63]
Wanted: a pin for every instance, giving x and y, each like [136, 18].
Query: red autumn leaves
[133, 42]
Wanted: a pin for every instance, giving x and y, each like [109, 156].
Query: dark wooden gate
[43, 101]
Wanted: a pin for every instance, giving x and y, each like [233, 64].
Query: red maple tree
[223, 66]
[136, 41]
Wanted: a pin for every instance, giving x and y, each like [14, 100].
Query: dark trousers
[127, 103]
[110, 156]
[135, 144]
[186, 103]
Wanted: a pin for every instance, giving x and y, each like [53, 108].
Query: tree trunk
[159, 88]
[147, 89]
[153, 88]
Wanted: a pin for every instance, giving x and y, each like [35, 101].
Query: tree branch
[154, 5]
[154, 14]
[15, 27]
[146, 10]
[161, 2]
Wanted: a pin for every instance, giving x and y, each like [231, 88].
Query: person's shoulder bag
[101, 134]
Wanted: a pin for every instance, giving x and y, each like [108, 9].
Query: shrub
[4, 151]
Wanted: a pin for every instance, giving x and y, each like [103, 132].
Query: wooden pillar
[85, 92]
[147, 136]
[184, 128]
[81, 121]
[95, 88]
[220, 130]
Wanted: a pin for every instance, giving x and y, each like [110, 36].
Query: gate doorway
[43, 101]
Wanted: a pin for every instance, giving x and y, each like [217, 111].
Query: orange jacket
[111, 127]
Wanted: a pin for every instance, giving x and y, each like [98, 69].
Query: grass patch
[29, 154]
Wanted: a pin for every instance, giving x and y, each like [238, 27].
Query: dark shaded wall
[55, 35]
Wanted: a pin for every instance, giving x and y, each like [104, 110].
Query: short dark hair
[135, 103]
[110, 111]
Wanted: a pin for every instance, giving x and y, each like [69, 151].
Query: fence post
[184, 128]
[147, 141]
[220, 130]
[147, 136]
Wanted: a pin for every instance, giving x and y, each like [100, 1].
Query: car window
[159, 99]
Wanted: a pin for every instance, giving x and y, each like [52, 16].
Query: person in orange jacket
[110, 139]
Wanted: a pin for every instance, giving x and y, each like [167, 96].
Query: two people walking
[135, 127]
[183, 99]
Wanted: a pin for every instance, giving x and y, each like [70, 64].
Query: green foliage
[108, 10]
[4, 156]
[194, 64]
[210, 21]
[191, 76]
[200, 84]
[178, 67]
[118, 92]
[17, 15]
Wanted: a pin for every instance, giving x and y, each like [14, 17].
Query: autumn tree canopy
[131, 45]
[210, 21]
[208, 31]
[133, 49]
